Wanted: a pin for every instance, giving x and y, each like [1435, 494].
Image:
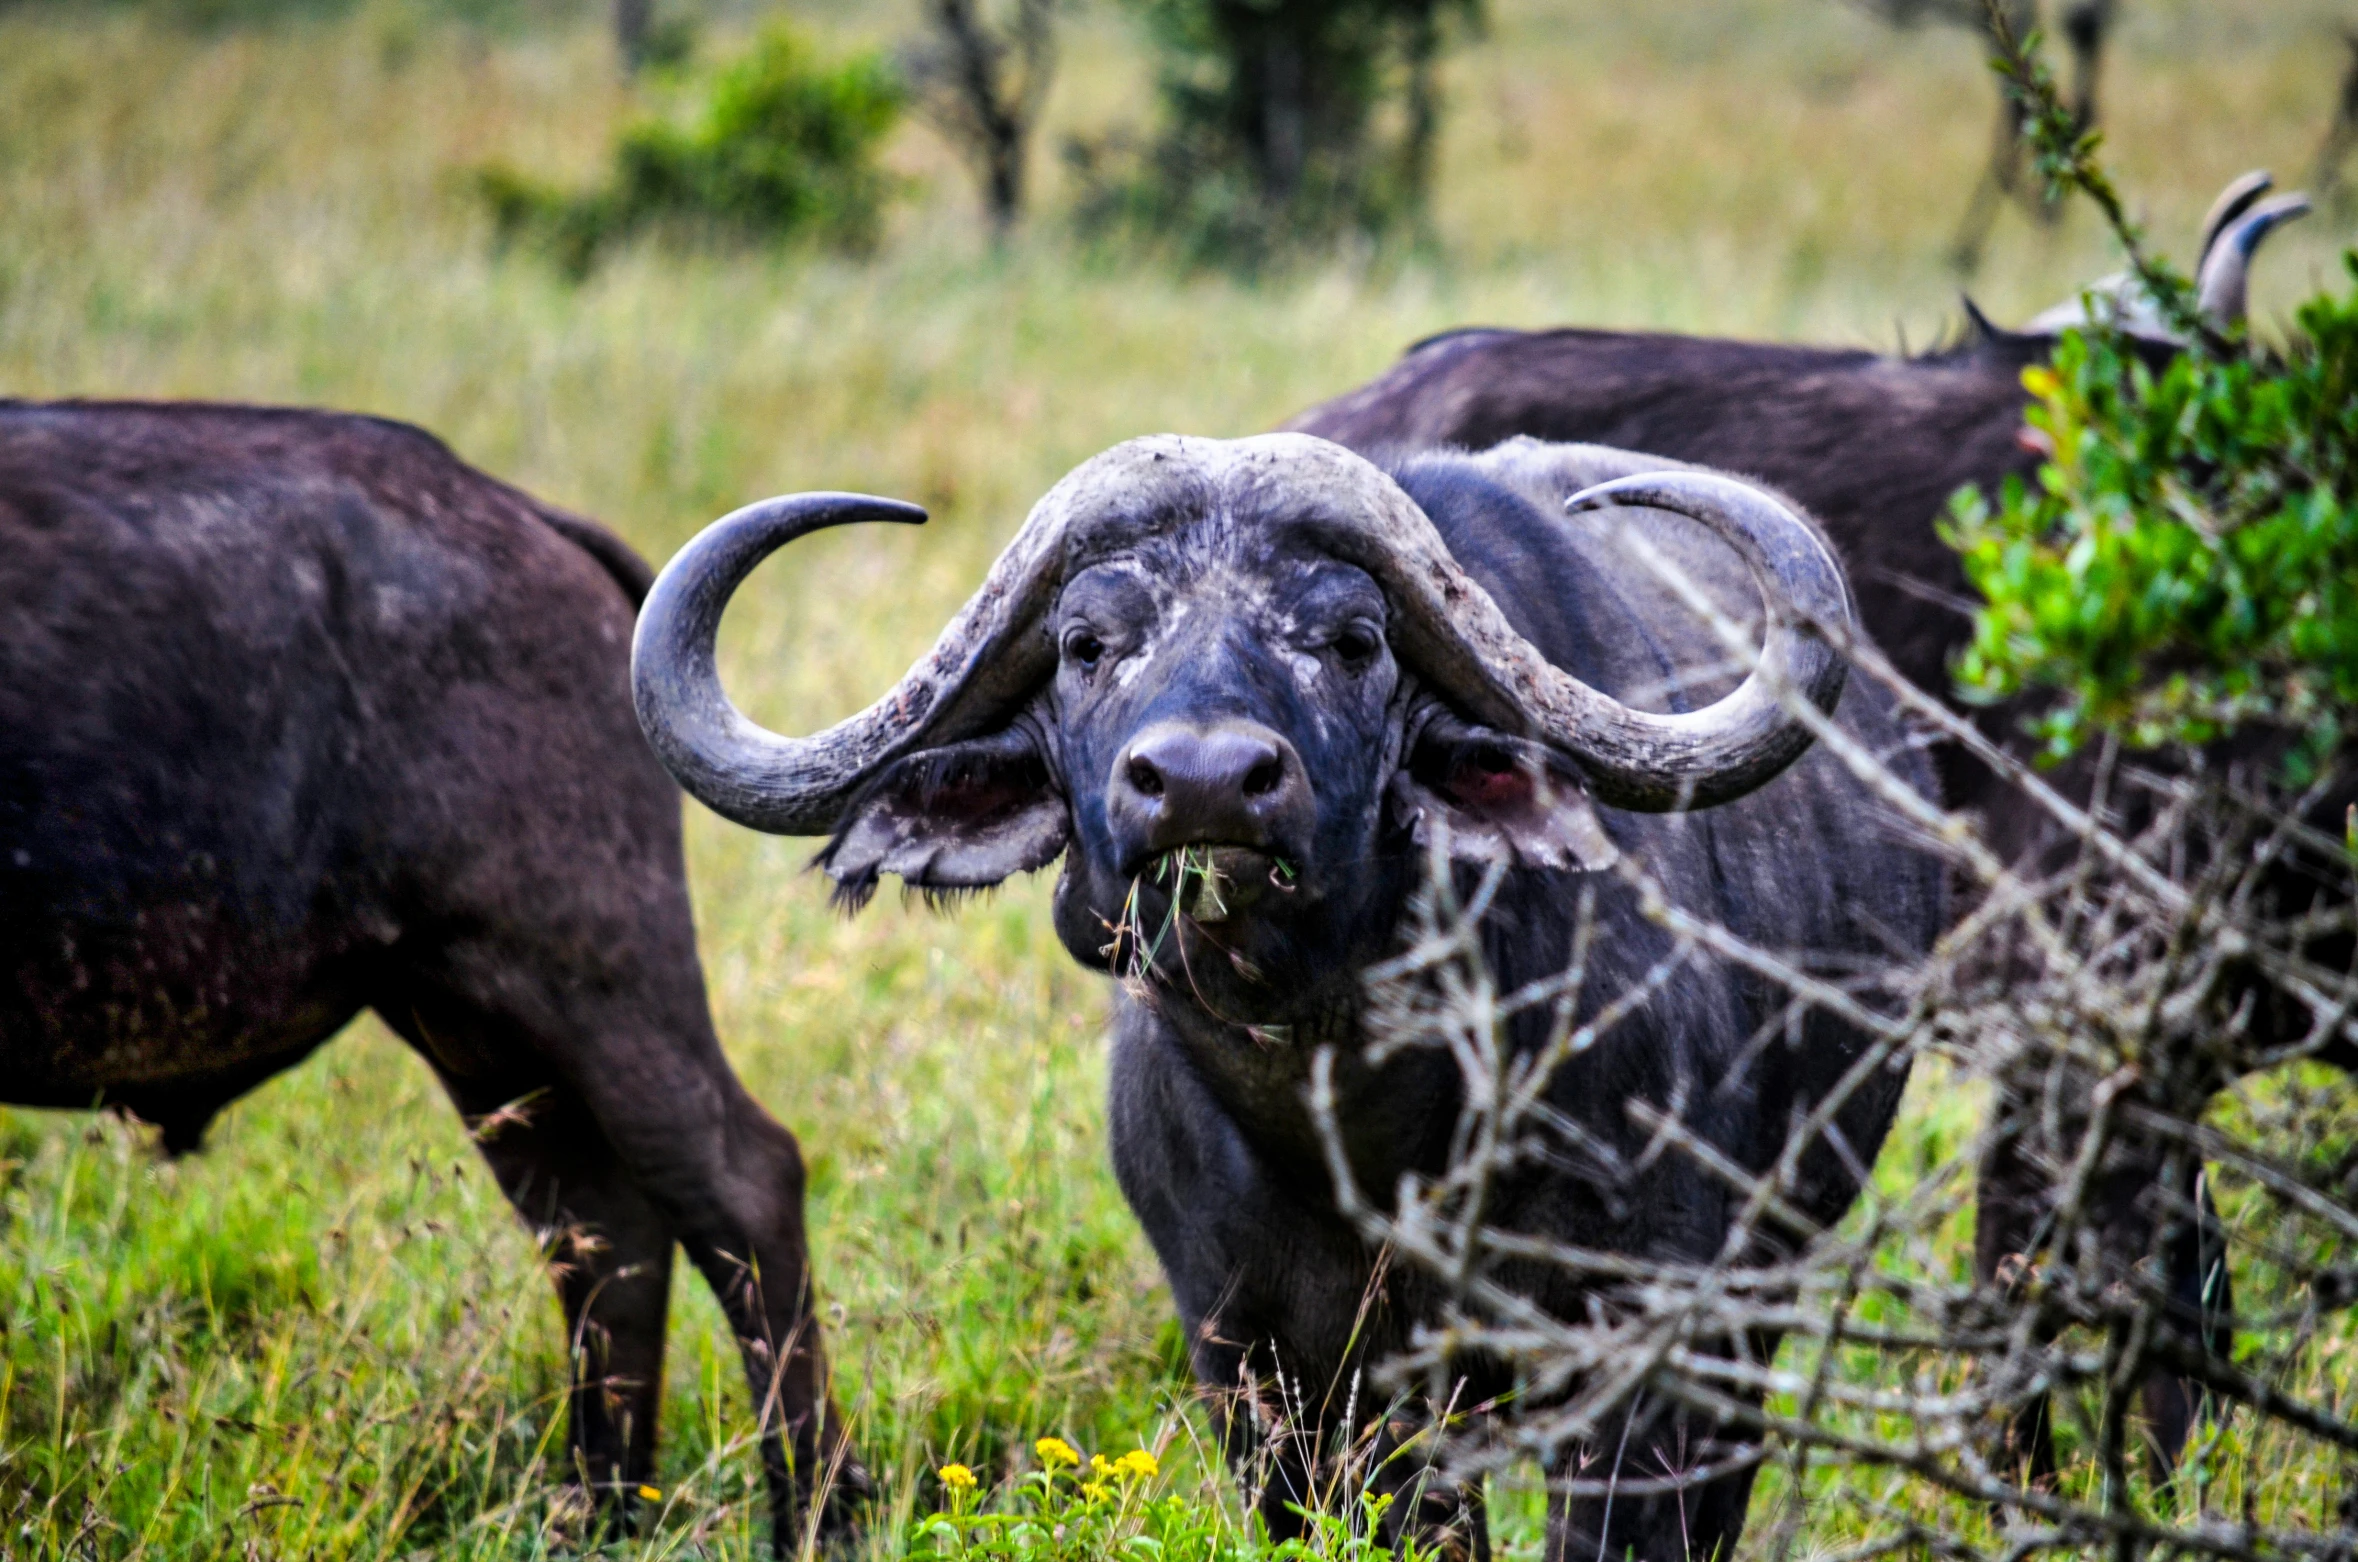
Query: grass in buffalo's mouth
[1189, 872]
[1206, 884]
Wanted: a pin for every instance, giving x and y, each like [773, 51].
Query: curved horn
[738, 769]
[2221, 289]
[800, 786]
[2232, 203]
[1454, 634]
[1742, 740]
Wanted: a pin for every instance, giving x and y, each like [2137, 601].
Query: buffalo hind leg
[744, 1230]
[2011, 1197]
[1658, 1521]
[730, 1179]
[641, 1077]
[2202, 1304]
[610, 1254]
[2137, 1210]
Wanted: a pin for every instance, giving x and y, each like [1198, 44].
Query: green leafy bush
[784, 147]
[219, 16]
[2188, 560]
[2186, 564]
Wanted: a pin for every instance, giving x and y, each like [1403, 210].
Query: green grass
[332, 1305]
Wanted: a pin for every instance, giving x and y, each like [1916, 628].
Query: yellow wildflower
[957, 1477]
[1138, 1463]
[1093, 1491]
[1055, 1452]
[2041, 381]
[651, 1494]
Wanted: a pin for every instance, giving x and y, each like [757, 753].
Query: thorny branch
[2127, 1050]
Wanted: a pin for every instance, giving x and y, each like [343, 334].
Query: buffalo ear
[1500, 799]
[963, 817]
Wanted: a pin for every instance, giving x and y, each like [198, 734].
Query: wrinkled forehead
[1197, 505]
[1242, 573]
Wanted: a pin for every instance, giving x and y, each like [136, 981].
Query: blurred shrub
[223, 15]
[1287, 124]
[207, 14]
[783, 146]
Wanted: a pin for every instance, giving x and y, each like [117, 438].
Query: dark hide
[1873, 446]
[300, 715]
[1214, 618]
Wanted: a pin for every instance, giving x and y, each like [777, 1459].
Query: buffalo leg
[1655, 1444]
[2194, 1265]
[2011, 1196]
[696, 1159]
[610, 1254]
[750, 1245]
[1304, 1458]
[1442, 1518]
[730, 1179]
[2136, 1210]
[1268, 1438]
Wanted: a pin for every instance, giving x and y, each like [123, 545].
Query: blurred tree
[2085, 25]
[1293, 84]
[983, 83]
[648, 34]
[2341, 134]
[1285, 122]
[630, 32]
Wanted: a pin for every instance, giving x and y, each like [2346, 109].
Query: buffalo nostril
[1144, 778]
[1265, 777]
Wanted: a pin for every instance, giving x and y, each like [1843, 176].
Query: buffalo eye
[1356, 644]
[1083, 648]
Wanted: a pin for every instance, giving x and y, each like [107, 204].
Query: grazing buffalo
[1874, 446]
[1244, 688]
[301, 715]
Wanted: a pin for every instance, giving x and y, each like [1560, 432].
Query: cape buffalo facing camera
[300, 715]
[1247, 689]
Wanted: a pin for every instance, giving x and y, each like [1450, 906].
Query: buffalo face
[1225, 717]
[1238, 685]
[1235, 760]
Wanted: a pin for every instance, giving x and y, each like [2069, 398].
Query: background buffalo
[299, 715]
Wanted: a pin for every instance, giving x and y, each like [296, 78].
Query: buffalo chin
[1236, 934]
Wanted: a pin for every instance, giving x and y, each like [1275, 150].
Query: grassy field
[325, 1336]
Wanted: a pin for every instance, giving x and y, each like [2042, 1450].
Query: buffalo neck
[1393, 1118]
